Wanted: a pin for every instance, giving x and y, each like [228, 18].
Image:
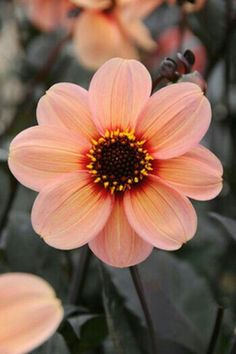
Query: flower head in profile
[106, 29]
[30, 312]
[114, 166]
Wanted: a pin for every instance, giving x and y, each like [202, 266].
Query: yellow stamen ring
[118, 160]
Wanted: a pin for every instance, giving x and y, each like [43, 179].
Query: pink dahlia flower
[114, 166]
[30, 312]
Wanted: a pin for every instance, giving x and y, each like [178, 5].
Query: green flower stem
[216, 331]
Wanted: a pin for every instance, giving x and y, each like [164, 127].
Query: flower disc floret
[118, 160]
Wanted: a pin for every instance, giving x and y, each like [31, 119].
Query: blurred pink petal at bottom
[29, 312]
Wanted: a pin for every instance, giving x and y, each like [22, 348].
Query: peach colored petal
[30, 312]
[160, 215]
[93, 4]
[71, 211]
[98, 38]
[66, 105]
[118, 244]
[40, 154]
[48, 14]
[175, 120]
[118, 92]
[197, 174]
[141, 8]
[136, 30]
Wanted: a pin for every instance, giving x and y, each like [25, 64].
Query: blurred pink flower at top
[48, 14]
[117, 31]
[114, 166]
[29, 312]
[170, 41]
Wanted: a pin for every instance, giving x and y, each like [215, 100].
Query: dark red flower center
[118, 160]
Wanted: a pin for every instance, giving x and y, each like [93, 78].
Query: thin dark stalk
[228, 17]
[182, 29]
[13, 190]
[156, 82]
[140, 291]
[43, 73]
[231, 27]
[216, 330]
[79, 276]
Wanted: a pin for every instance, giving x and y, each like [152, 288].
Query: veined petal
[175, 119]
[42, 153]
[160, 215]
[118, 244]
[197, 174]
[118, 92]
[66, 105]
[30, 312]
[71, 211]
[98, 38]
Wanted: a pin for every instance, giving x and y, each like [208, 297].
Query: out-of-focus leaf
[70, 337]
[206, 249]
[233, 347]
[84, 332]
[228, 223]
[181, 299]
[126, 338]
[170, 347]
[72, 310]
[90, 329]
[55, 344]
[203, 24]
[27, 252]
[4, 190]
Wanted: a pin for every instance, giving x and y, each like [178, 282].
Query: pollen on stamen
[117, 160]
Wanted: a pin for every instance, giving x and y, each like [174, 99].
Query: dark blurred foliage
[184, 289]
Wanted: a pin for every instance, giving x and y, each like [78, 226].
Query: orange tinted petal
[42, 153]
[118, 92]
[144, 8]
[97, 38]
[175, 119]
[118, 244]
[30, 312]
[197, 174]
[66, 105]
[70, 211]
[136, 30]
[160, 215]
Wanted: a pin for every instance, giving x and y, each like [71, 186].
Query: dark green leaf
[126, 337]
[228, 223]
